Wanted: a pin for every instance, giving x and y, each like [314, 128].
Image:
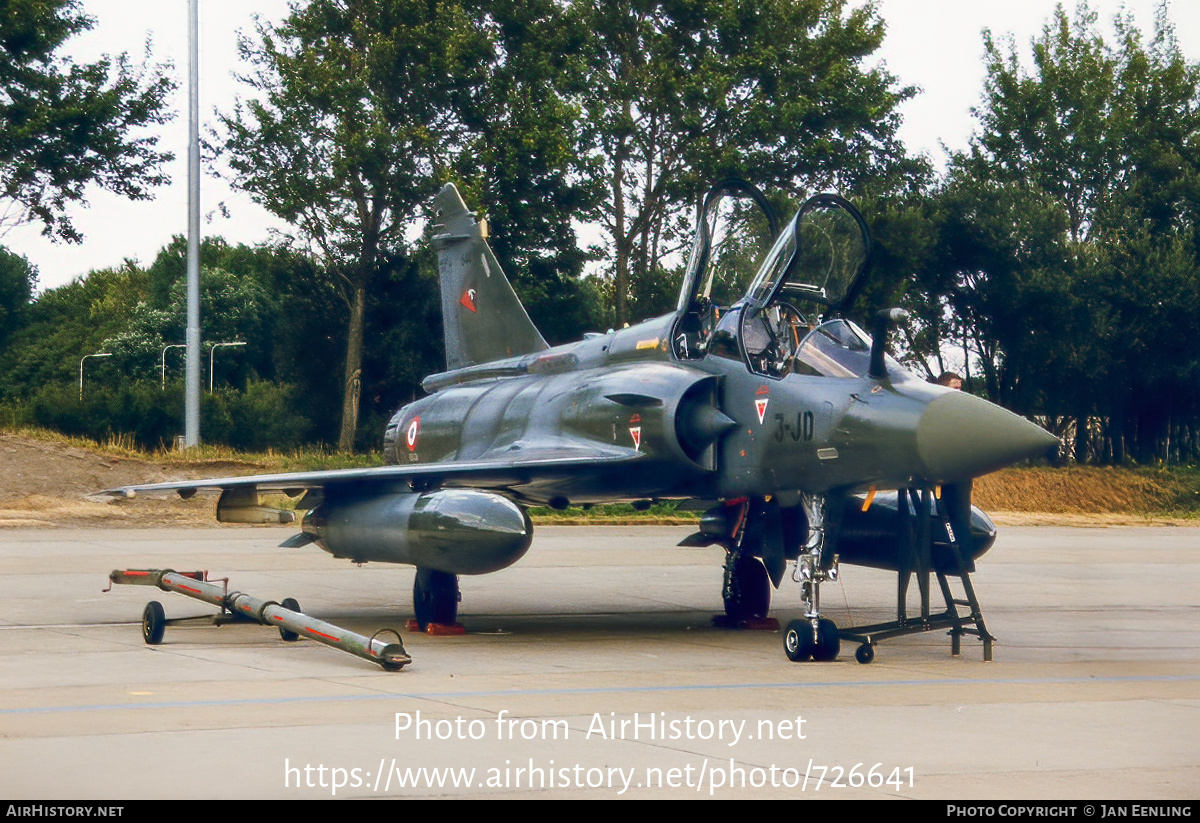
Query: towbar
[287, 617]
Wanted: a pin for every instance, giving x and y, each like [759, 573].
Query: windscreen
[839, 348]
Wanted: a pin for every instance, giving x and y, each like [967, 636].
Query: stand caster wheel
[864, 653]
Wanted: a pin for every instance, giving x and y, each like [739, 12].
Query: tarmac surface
[591, 669]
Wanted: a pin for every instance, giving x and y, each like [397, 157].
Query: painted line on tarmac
[280, 701]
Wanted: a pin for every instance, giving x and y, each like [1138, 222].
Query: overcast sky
[935, 45]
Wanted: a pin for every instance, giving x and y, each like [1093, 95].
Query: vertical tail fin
[482, 317]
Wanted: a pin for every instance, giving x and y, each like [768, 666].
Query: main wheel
[750, 590]
[797, 641]
[828, 642]
[435, 598]
[154, 623]
[290, 604]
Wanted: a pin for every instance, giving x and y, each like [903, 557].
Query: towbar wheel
[290, 604]
[154, 623]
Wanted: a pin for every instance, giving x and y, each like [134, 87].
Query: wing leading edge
[525, 468]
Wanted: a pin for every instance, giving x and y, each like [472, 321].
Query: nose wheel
[814, 636]
[802, 641]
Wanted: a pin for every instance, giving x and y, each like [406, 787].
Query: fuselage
[706, 427]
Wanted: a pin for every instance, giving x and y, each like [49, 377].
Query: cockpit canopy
[820, 257]
[737, 226]
[771, 320]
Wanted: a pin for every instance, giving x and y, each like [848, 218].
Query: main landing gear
[747, 590]
[435, 602]
[739, 526]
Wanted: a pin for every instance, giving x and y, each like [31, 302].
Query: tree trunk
[1081, 438]
[620, 243]
[352, 387]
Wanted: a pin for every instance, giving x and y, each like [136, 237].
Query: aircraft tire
[797, 641]
[828, 642]
[435, 598]
[751, 590]
[154, 623]
[290, 604]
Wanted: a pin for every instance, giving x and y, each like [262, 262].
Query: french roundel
[410, 437]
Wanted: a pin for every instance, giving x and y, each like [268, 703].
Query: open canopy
[736, 276]
[820, 257]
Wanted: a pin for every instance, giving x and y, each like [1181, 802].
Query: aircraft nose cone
[960, 436]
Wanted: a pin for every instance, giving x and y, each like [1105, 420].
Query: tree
[519, 167]
[363, 107]
[66, 126]
[234, 308]
[18, 279]
[65, 323]
[684, 92]
[356, 117]
[1071, 224]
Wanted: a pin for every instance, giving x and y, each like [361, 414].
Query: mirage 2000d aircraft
[756, 401]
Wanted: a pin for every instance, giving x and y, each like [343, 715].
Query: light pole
[211, 353]
[85, 357]
[191, 403]
[163, 385]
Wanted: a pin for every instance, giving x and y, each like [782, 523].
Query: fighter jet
[756, 401]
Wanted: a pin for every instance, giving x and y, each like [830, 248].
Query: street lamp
[163, 386]
[212, 352]
[191, 395]
[85, 357]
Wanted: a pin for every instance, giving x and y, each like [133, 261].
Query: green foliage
[18, 279]
[66, 126]
[271, 298]
[151, 417]
[262, 417]
[357, 107]
[335, 141]
[516, 165]
[363, 108]
[66, 323]
[1068, 250]
[662, 511]
[259, 418]
[120, 311]
[679, 94]
[291, 308]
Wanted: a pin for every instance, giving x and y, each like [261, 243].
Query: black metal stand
[916, 508]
